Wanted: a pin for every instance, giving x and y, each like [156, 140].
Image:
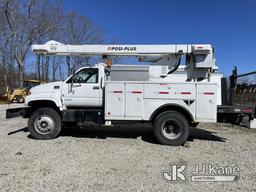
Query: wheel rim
[44, 124]
[171, 129]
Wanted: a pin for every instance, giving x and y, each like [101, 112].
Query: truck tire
[171, 128]
[44, 123]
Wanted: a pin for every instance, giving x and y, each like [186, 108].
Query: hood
[47, 87]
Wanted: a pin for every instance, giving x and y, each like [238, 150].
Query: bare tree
[27, 21]
[55, 15]
[4, 41]
[55, 65]
[81, 30]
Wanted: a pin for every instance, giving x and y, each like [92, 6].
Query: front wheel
[171, 128]
[44, 123]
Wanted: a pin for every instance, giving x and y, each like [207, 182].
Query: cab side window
[88, 75]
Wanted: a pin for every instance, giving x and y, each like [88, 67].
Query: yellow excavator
[18, 94]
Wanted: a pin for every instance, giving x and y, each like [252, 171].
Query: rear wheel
[44, 123]
[171, 128]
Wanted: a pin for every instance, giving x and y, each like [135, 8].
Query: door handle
[79, 85]
[95, 87]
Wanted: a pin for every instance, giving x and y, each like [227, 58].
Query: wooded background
[27, 22]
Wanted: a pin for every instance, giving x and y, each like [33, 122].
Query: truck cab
[86, 88]
[82, 90]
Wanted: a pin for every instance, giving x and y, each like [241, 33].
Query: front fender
[44, 97]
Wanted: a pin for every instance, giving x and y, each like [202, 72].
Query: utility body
[106, 94]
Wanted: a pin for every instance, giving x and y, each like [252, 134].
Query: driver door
[85, 92]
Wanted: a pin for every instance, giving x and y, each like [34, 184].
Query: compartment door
[114, 106]
[134, 100]
[206, 103]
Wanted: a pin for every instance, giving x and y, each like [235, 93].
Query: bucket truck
[107, 95]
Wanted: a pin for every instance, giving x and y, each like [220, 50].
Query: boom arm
[200, 57]
[56, 48]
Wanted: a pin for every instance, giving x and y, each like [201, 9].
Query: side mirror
[73, 78]
[101, 83]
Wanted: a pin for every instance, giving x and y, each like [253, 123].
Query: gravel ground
[120, 158]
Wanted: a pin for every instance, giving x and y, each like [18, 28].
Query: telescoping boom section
[56, 48]
[199, 58]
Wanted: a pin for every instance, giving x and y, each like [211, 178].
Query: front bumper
[18, 112]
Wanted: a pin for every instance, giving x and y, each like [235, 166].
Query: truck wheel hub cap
[44, 124]
[171, 129]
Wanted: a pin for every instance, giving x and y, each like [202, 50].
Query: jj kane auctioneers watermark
[178, 172]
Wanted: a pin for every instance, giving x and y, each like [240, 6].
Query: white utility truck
[106, 94]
